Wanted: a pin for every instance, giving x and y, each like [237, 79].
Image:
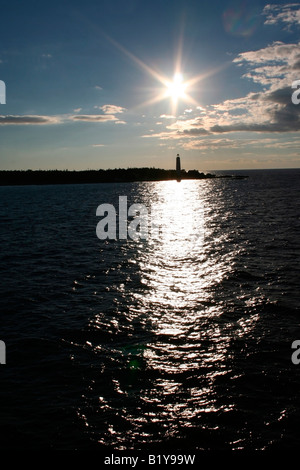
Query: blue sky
[89, 84]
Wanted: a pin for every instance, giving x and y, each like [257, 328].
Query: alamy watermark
[138, 223]
[296, 354]
[2, 92]
[295, 99]
[2, 352]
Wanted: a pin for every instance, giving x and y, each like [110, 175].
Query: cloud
[112, 109]
[59, 119]
[167, 116]
[274, 66]
[271, 110]
[165, 135]
[278, 51]
[213, 143]
[109, 115]
[288, 14]
[210, 144]
[29, 120]
[93, 117]
[97, 87]
[280, 126]
[195, 131]
[186, 124]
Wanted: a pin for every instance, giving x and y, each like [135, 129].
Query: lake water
[180, 342]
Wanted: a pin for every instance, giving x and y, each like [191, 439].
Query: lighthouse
[178, 168]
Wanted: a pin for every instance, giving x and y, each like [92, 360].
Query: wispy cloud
[112, 109]
[29, 120]
[288, 14]
[109, 110]
[167, 116]
[93, 117]
[210, 144]
[275, 65]
[58, 119]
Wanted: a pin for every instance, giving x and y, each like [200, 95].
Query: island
[117, 175]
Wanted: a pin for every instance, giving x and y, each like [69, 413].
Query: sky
[131, 83]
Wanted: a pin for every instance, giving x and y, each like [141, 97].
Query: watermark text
[138, 223]
[296, 93]
[296, 354]
[2, 92]
[2, 352]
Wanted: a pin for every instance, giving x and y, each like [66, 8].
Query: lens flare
[176, 88]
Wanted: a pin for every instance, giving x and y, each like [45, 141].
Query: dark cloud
[24, 120]
[263, 127]
[296, 65]
[94, 117]
[281, 96]
[284, 116]
[196, 131]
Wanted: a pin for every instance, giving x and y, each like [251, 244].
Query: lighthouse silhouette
[178, 168]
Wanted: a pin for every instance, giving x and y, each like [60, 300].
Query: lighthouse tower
[178, 168]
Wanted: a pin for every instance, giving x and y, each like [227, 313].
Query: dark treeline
[24, 177]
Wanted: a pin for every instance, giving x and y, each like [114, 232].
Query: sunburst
[175, 89]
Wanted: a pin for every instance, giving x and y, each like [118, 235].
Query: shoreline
[129, 175]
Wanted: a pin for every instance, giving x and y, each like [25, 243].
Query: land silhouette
[117, 175]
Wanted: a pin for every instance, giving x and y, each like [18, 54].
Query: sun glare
[176, 88]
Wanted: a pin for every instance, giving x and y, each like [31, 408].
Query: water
[181, 343]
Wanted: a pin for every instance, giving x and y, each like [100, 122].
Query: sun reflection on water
[176, 268]
[169, 267]
[177, 322]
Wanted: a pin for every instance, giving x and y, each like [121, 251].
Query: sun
[176, 89]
